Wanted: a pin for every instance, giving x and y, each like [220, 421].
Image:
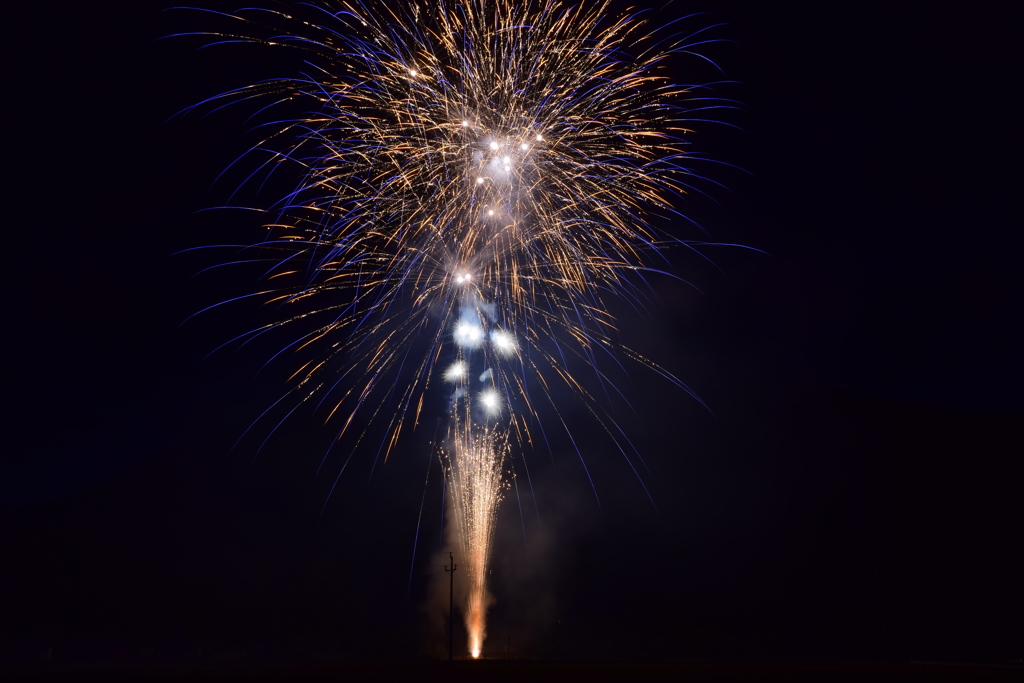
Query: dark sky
[854, 490]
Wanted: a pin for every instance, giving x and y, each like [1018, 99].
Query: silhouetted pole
[451, 603]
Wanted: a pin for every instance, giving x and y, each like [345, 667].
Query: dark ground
[599, 672]
[853, 495]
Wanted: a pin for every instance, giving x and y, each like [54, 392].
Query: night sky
[852, 491]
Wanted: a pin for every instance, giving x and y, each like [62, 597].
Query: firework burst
[473, 179]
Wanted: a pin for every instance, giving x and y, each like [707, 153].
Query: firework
[472, 179]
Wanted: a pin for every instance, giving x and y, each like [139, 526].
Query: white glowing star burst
[491, 401]
[503, 342]
[456, 372]
[468, 335]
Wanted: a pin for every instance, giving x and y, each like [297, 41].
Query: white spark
[468, 335]
[456, 372]
[503, 342]
[492, 401]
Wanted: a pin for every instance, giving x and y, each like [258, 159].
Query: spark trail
[475, 480]
[475, 178]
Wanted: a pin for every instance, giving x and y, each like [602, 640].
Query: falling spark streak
[475, 178]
